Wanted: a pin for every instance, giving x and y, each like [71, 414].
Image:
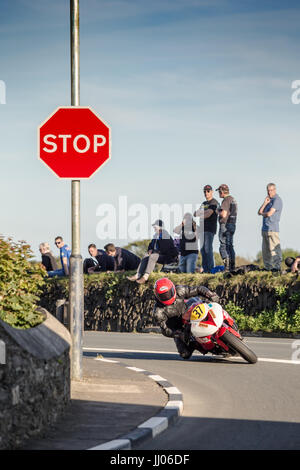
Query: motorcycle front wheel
[238, 346]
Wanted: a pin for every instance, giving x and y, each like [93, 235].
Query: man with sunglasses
[65, 254]
[208, 217]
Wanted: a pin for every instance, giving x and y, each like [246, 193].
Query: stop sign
[74, 142]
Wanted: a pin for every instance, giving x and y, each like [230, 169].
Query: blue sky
[195, 92]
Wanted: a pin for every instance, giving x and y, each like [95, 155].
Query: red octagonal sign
[74, 142]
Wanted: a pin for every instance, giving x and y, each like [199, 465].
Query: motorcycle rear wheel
[238, 346]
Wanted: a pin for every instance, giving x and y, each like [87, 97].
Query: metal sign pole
[76, 296]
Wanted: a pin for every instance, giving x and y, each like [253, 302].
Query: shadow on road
[227, 434]
[89, 423]
[163, 357]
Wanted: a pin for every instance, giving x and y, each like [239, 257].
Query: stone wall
[112, 303]
[34, 379]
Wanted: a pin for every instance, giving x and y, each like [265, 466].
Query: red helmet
[165, 291]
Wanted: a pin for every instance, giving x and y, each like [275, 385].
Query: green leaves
[278, 320]
[20, 284]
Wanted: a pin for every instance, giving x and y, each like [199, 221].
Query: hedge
[259, 301]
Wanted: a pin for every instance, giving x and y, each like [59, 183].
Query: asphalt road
[228, 403]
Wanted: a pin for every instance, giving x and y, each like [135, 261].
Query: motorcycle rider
[170, 307]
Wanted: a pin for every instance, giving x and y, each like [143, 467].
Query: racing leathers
[169, 317]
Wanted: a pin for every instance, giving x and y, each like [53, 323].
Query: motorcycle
[212, 330]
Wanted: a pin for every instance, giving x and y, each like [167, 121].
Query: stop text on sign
[81, 143]
[74, 142]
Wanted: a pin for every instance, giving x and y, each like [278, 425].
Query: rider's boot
[184, 350]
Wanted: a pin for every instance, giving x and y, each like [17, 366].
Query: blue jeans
[57, 272]
[207, 252]
[226, 242]
[187, 264]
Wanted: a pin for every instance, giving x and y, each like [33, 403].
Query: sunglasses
[57, 243]
[207, 190]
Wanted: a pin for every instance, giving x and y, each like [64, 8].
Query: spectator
[123, 259]
[227, 220]
[48, 260]
[293, 263]
[161, 250]
[65, 254]
[101, 262]
[271, 210]
[188, 244]
[208, 213]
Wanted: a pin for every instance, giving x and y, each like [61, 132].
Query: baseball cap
[158, 223]
[207, 187]
[224, 187]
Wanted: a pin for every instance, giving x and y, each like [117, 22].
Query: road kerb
[153, 426]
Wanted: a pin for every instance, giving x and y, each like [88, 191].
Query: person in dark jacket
[48, 260]
[188, 244]
[123, 259]
[161, 250]
[170, 307]
[99, 261]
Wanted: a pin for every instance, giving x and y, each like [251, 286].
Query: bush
[20, 284]
[271, 321]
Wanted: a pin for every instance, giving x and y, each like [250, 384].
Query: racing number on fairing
[198, 312]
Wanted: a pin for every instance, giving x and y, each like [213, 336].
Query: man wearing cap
[160, 250]
[208, 215]
[227, 220]
[270, 210]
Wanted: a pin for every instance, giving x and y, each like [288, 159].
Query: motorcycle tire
[238, 346]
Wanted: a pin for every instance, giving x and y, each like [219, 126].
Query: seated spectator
[101, 262]
[65, 254]
[161, 250]
[293, 263]
[188, 244]
[48, 260]
[123, 259]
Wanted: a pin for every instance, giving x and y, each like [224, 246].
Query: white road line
[260, 359]
[283, 361]
[280, 343]
[105, 360]
[136, 369]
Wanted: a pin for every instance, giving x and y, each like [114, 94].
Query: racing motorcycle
[213, 330]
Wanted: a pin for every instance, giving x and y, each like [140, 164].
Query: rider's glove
[208, 294]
